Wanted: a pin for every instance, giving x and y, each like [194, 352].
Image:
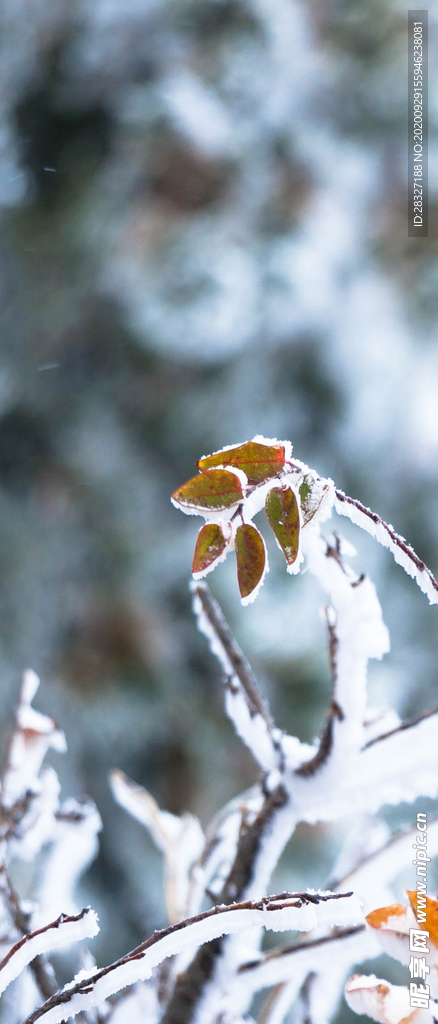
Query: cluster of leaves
[222, 493]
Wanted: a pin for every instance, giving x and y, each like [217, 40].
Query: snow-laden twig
[400, 767]
[261, 839]
[243, 701]
[329, 959]
[285, 911]
[356, 633]
[385, 534]
[61, 932]
[32, 819]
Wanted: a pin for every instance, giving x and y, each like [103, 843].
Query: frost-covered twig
[62, 932]
[243, 701]
[277, 1003]
[342, 948]
[401, 767]
[11, 817]
[30, 819]
[356, 633]
[315, 763]
[213, 866]
[385, 534]
[402, 727]
[278, 913]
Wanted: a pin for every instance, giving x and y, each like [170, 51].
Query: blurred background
[204, 237]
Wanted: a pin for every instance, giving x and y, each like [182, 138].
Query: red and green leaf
[283, 516]
[312, 493]
[213, 491]
[251, 559]
[210, 546]
[259, 462]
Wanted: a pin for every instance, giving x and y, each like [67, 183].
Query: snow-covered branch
[286, 911]
[61, 932]
[356, 633]
[243, 701]
[385, 534]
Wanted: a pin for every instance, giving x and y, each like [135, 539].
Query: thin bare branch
[299, 947]
[311, 767]
[401, 728]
